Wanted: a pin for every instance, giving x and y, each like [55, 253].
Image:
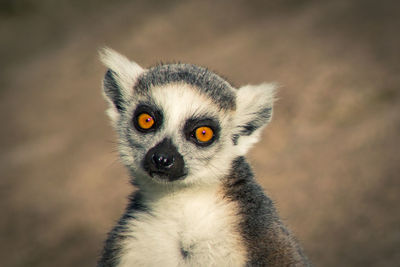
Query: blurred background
[330, 159]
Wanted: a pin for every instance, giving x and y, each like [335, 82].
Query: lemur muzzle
[164, 161]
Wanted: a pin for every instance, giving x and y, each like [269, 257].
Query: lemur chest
[191, 229]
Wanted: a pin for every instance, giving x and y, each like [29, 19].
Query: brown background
[329, 159]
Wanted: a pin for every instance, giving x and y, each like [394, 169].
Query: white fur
[196, 219]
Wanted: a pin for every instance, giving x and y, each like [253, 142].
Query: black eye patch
[153, 112]
[192, 124]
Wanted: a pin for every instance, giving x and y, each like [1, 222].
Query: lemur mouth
[166, 176]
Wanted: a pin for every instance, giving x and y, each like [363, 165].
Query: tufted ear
[254, 112]
[118, 81]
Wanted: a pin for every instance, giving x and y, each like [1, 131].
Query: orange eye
[204, 134]
[145, 121]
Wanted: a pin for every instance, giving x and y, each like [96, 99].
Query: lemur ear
[118, 80]
[254, 112]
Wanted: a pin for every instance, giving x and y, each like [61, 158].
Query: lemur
[183, 133]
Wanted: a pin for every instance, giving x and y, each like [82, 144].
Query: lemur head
[179, 123]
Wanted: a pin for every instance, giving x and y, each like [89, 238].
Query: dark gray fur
[260, 118]
[220, 92]
[112, 90]
[268, 241]
[112, 247]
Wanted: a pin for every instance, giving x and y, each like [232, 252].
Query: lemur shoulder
[183, 133]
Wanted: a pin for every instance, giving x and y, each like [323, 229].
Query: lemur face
[181, 123]
[173, 132]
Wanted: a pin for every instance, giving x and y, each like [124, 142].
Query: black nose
[163, 161]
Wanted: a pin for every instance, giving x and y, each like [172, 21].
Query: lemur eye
[202, 131]
[204, 134]
[145, 121]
